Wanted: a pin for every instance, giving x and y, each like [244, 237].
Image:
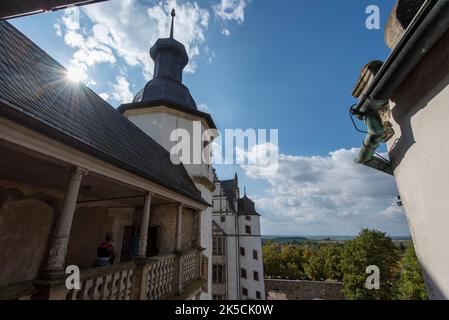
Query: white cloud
[127, 29]
[120, 31]
[71, 18]
[89, 51]
[104, 96]
[394, 212]
[121, 90]
[210, 54]
[328, 195]
[260, 160]
[226, 32]
[58, 30]
[191, 23]
[204, 107]
[231, 10]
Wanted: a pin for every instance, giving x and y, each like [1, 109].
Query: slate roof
[246, 207]
[35, 93]
[228, 188]
[170, 58]
[166, 87]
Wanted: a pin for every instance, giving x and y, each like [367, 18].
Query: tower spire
[173, 15]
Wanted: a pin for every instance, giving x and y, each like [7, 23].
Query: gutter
[428, 26]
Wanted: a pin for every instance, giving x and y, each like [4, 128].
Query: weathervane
[173, 15]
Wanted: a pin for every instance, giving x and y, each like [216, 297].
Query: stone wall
[303, 290]
[189, 226]
[26, 219]
[165, 218]
[89, 228]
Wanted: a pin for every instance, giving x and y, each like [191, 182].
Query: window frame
[256, 276]
[256, 255]
[243, 273]
[218, 246]
[218, 274]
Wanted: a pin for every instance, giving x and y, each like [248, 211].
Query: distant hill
[302, 239]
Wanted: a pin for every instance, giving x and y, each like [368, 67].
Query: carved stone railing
[162, 275]
[108, 283]
[190, 266]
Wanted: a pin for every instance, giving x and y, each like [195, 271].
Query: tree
[369, 248]
[283, 261]
[314, 266]
[272, 260]
[324, 263]
[332, 255]
[410, 285]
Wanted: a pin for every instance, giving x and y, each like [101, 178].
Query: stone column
[178, 250]
[145, 221]
[198, 228]
[178, 247]
[58, 250]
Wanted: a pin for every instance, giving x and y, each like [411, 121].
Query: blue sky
[262, 64]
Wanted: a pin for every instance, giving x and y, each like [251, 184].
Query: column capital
[148, 194]
[79, 172]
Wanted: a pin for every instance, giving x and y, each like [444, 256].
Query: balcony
[175, 276]
[59, 213]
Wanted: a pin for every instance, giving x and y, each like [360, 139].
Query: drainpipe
[428, 26]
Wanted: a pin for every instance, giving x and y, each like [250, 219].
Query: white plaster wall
[235, 240]
[420, 153]
[206, 237]
[250, 243]
[159, 126]
[232, 268]
[254, 224]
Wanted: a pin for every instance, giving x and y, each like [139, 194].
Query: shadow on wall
[32, 219]
[433, 289]
[428, 79]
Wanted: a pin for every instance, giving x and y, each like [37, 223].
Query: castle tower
[165, 104]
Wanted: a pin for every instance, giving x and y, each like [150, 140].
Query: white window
[218, 273]
[218, 246]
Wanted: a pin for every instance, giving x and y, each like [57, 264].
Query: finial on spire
[173, 15]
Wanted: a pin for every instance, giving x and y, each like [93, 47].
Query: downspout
[428, 26]
[237, 233]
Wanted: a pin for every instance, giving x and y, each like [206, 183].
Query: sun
[75, 75]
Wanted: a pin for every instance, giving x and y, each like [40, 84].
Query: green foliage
[347, 263]
[369, 248]
[410, 285]
[283, 261]
[324, 263]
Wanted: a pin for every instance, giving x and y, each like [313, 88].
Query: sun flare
[75, 75]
